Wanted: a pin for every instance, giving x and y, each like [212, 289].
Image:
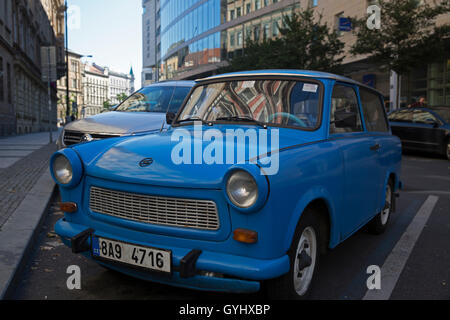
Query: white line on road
[395, 262]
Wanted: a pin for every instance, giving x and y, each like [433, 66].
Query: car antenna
[168, 106]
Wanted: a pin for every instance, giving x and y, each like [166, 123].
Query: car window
[345, 116]
[421, 116]
[401, 116]
[178, 98]
[149, 99]
[373, 112]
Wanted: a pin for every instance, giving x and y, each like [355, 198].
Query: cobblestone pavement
[18, 179]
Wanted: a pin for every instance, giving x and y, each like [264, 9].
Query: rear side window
[345, 116]
[373, 111]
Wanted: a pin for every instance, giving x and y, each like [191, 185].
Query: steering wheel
[289, 116]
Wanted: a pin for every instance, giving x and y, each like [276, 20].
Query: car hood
[121, 157]
[119, 123]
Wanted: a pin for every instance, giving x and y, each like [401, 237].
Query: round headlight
[242, 189]
[62, 169]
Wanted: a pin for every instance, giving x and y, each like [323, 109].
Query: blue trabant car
[259, 174]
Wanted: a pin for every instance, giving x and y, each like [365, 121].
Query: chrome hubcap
[387, 207]
[305, 260]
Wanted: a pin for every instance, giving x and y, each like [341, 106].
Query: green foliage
[304, 44]
[106, 104]
[121, 97]
[408, 36]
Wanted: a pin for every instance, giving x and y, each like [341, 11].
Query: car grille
[185, 213]
[74, 137]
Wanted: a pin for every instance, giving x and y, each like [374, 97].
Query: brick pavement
[20, 177]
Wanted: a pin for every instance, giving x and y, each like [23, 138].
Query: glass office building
[198, 36]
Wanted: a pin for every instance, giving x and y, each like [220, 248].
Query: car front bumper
[213, 271]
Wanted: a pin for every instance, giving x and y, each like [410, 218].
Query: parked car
[143, 112]
[423, 129]
[230, 224]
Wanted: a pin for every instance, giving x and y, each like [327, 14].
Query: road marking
[437, 192]
[395, 262]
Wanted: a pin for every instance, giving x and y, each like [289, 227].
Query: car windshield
[272, 102]
[155, 99]
[443, 112]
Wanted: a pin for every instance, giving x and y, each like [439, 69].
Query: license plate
[131, 254]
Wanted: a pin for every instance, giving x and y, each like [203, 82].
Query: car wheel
[379, 224]
[304, 256]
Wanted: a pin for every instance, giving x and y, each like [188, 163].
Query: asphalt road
[342, 273]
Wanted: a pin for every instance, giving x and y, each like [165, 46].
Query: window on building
[248, 8]
[313, 3]
[266, 31]
[239, 38]
[275, 28]
[238, 12]
[232, 39]
[337, 21]
[257, 4]
[266, 3]
[231, 14]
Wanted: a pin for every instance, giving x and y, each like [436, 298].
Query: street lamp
[67, 65]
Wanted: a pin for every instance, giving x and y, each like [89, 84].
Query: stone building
[25, 27]
[95, 89]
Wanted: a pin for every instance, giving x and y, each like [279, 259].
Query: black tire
[283, 287]
[379, 224]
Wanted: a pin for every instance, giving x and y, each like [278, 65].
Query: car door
[376, 124]
[426, 134]
[402, 126]
[359, 157]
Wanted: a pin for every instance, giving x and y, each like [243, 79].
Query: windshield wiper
[241, 118]
[193, 119]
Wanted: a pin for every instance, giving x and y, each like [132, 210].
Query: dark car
[423, 129]
[141, 113]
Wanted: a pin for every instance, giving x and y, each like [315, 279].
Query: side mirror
[344, 119]
[170, 116]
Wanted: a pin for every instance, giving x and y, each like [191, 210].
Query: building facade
[119, 84]
[151, 41]
[25, 27]
[101, 88]
[95, 89]
[196, 37]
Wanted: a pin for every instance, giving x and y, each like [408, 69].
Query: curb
[19, 232]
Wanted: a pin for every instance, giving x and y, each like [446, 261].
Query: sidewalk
[25, 190]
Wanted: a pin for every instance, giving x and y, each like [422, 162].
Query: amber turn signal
[245, 236]
[68, 207]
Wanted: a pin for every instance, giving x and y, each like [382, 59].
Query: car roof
[287, 73]
[173, 83]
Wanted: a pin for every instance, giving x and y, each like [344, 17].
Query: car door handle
[375, 147]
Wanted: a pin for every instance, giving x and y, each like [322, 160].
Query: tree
[304, 43]
[106, 104]
[121, 97]
[408, 36]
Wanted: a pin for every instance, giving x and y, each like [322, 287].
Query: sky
[110, 31]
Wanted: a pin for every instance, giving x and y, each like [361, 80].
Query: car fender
[315, 193]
